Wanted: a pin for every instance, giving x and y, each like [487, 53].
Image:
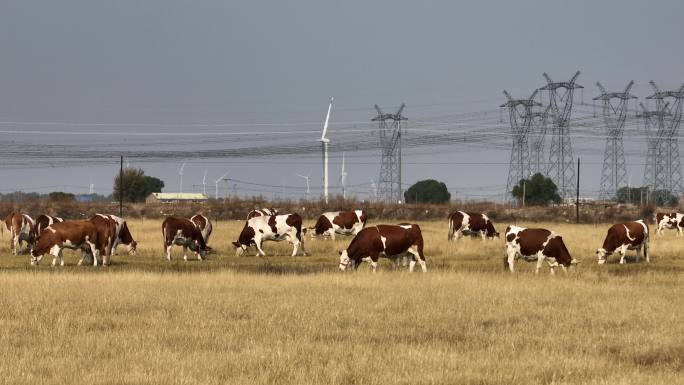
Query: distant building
[176, 198]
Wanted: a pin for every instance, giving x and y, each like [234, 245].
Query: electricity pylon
[390, 127]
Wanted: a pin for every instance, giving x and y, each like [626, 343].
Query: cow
[669, 221]
[390, 241]
[182, 232]
[536, 245]
[622, 237]
[339, 222]
[71, 235]
[271, 228]
[120, 236]
[261, 213]
[204, 226]
[43, 221]
[469, 223]
[22, 229]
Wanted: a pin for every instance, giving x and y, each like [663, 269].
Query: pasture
[288, 320]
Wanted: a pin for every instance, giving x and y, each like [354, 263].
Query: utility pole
[390, 127]
[520, 117]
[121, 188]
[561, 168]
[614, 115]
[578, 188]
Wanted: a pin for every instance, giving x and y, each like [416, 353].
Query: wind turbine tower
[204, 182]
[324, 147]
[343, 179]
[180, 174]
[222, 177]
[306, 177]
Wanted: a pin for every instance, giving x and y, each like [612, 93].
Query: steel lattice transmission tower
[668, 170]
[614, 174]
[561, 168]
[538, 126]
[651, 119]
[520, 116]
[390, 127]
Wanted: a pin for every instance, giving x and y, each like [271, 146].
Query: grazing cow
[204, 226]
[340, 222]
[536, 245]
[271, 228]
[72, 235]
[261, 213]
[669, 221]
[183, 232]
[121, 236]
[467, 223]
[622, 237]
[43, 221]
[390, 241]
[22, 229]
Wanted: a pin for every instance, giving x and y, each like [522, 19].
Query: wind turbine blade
[327, 119]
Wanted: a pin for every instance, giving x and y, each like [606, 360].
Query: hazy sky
[80, 75]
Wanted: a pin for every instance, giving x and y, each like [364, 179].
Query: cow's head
[344, 260]
[239, 248]
[601, 253]
[491, 231]
[132, 247]
[35, 257]
[198, 248]
[573, 263]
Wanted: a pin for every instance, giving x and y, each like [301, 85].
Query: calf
[261, 213]
[390, 241]
[669, 221]
[204, 226]
[43, 221]
[271, 228]
[72, 235]
[622, 237]
[468, 223]
[183, 232]
[22, 229]
[536, 245]
[340, 222]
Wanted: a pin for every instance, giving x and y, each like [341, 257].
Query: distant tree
[59, 196]
[663, 198]
[539, 191]
[427, 191]
[633, 195]
[136, 185]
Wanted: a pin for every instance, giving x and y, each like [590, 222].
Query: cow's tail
[646, 239]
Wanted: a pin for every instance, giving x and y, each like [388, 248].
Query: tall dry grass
[296, 320]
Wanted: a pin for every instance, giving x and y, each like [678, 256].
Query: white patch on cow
[627, 234]
[407, 227]
[384, 243]
[51, 229]
[344, 260]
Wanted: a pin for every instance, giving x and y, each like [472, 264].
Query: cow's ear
[236, 244]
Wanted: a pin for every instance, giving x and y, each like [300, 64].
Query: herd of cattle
[98, 237]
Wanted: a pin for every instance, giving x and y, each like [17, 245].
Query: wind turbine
[324, 146]
[180, 174]
[343, 179]
[217, 181]
[374, 190]
[204, 183]
[306, 177]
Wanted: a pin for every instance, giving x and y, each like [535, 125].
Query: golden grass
[296, 320]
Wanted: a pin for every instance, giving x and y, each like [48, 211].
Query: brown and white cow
[121, 234]
[271, 228]
[182, 232]
[339, 222]
[469, 223]
[536, 245]
[261, 213]
[43, 221]
[390, 241]
[204, 226]
[622, 237]
[669, 221]
[22, 229]
[70, 235]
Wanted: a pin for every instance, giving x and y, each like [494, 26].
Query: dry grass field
[293, 320]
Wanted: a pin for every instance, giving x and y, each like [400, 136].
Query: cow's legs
[260, 251]
[168, 252]
[185, 253]
[374, 263]
[416, 257]
[511, 254]
[622, 252]
[482, 234]
[638, 253]
[15, 244]
[552, 264]
[540, 260]
[94, 251]
[679, 230]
